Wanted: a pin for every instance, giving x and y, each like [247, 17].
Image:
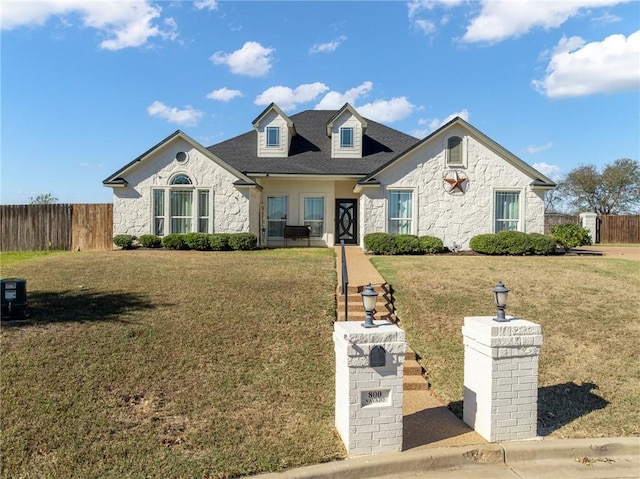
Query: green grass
[169, 364]
[589, 373]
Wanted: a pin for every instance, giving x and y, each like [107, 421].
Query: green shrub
[380, 243]
[407, 244]
[484, 243]
[570, 235]
[197, 241]
[219, 242]
[124, 241]
[512, 243]
[542, 244]
[243, 241]
[174, 241]
[150, 241]
[431, 244]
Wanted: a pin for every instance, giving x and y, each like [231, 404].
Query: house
[342, 175]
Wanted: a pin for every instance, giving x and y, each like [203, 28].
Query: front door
[347, 221]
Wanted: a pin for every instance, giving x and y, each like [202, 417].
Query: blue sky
[87, 86]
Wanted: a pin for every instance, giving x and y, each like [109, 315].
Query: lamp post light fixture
[369, 298]
[501, 292]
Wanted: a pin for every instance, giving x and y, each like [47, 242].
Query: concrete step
[414, 383]
[412, 368]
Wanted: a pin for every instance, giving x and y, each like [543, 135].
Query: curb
[465, 457]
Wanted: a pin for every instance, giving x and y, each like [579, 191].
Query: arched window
[454, 153]
[181, 179]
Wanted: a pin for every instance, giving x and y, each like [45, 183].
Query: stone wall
[453, 217]
[132, 206]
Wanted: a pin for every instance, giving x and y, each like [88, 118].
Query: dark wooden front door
[347, 221]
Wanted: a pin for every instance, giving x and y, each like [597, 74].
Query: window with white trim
[346, 137]
[314, 214]
[454, 151]
[273, 136]
[400, 212]
[276, 216]
[507, 211]
[179, 208]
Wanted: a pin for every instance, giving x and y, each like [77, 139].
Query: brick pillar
[501, 377]
[589, 221]
[368, 393]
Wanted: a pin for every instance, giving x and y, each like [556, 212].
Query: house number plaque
[377, 397]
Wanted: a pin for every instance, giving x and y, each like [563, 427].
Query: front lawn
[589, 380]
[169, 364]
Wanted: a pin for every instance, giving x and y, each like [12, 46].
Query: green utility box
[13, 292]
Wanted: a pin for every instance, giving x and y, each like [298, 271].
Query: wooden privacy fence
[618, 229]
[69, 227]
[552, 219]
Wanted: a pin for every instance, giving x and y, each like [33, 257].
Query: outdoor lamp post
[369, 298]
[501, 292]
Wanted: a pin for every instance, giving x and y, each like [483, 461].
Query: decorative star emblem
[455, 183]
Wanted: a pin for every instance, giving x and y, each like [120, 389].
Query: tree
[43, 199]
[615, 190]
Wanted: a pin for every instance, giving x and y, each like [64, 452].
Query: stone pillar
[369, 374]
[501, 377]
[589, 221]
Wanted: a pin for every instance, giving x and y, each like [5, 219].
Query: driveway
[631, 252]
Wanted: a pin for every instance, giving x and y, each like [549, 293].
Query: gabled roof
[538, 179]
[339, 113]
[274, 107]
[310, 150]
[117, 180]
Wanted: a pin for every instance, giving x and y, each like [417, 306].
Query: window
[181, 179]
[346, 137]
[314, 215]
[507, 210]
[454, 147]
[158, 212]
[276, 215]
[400, 212]
[273, 136]
[203, 211]
[180, 211]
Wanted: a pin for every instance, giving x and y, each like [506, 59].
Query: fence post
[589, 221]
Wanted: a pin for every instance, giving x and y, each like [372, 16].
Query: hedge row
[513, 243]
[193, 241]
[386, 243]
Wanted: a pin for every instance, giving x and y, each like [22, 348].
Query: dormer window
[454, 151]
[346, 137]
[273, 136]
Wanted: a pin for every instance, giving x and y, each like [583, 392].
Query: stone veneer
[501, 377]
[457, 217]
[132, 205]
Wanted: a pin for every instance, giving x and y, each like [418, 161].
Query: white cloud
[287, 98]
[224, 94]
[550, 171]
[189, 116]
[539, 149]
[435, 123]
[327, 47]
[499, 20]
[334, 100]
[206, 4]
[417, 8]
[123, 24]
[387, 111]
[579, 69]
[252, 60]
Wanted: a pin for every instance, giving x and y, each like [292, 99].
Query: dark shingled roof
[310, 151]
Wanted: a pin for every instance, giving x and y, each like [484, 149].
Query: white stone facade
[229, 210]
[454, 217]
[501, 377]
[369, 399]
